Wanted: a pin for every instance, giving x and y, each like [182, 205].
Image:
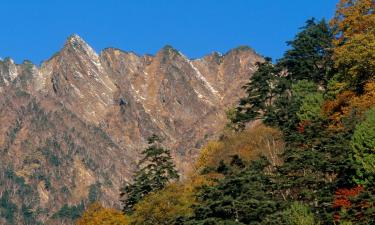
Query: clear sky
[36, 29]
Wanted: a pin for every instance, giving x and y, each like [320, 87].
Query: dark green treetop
[156, 170]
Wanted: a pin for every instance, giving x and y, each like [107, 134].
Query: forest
[298, 149]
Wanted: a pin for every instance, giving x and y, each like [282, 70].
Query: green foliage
[363, 145]
[7, 208]
[39, 176]
[28, 215]
[309, 63]
[70, 212]
[242, 197]
[310, 55]
[65, 190]
[94, 192]
[51, 157]
[260, 93]
[11, 209]
[21, 93]
[300, 100]
[362, 210]
[14, 130]
[24, 190]
[310, 109]
[308, 98]
[273, 93]
[299, 214]
[302, 88]
[156, 171]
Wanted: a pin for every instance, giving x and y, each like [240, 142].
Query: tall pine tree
[310, 55]
[156, 170]
[242, 196]
[260, 94]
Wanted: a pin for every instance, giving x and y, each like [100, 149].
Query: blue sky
[36, 29]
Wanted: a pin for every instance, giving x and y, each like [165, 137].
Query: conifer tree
[243, 196]
[156, 170]
[363, 145]
[308, 61]
[310, 55]
[269, 91]
[259, 90]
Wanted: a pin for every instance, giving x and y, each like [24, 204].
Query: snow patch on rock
[200, 76]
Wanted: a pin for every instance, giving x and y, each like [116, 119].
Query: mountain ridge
[128, 51]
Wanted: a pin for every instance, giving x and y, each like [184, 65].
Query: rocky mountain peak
[8, 71]
[77, 43]
[76, 76]
[167, 53]
[77, 46]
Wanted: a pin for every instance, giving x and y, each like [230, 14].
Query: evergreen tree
[316, 163]
[259, 90]
[363, 145]
[269, 91]
[310, 55]
[156, 170]
[243, 196]
[309, 63]
[320, 161]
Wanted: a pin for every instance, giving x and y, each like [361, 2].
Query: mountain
[72, 129]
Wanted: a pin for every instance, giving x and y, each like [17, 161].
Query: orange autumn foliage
[342, 198]
[347, 103]
[302, 125]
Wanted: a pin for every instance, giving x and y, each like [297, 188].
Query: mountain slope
[72, 129]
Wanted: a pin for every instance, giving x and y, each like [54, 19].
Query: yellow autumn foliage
[248, 144]
[353, 17]
[354, 52]
[174, 201]
[98, 215]
[164, 206]
[357, 57]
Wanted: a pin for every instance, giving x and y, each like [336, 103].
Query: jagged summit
[7, 60]
[167, 50]
[169, 47]
[74, 39]
[77, 44]
[8, 71]
[241, 48]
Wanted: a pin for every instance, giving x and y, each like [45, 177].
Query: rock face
[71, 130]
